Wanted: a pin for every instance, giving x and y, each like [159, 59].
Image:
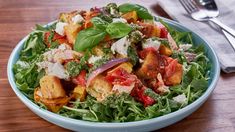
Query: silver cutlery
[206, 10]
[199, 14]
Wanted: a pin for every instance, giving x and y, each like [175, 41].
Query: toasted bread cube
[130, 16]
[99, 88]
[67, 17]
[51, 87]
[176, 78]
[53, 104]
[149, 68]
[150, 30]
[165, 50]
[126, 66]
[80, 92]
[97, 50]
[71, 32]
[37, 94]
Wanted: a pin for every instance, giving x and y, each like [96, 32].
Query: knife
[157, 9]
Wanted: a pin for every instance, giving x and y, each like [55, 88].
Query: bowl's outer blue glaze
[144, 125]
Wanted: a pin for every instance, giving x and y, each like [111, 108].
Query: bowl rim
[60, 118]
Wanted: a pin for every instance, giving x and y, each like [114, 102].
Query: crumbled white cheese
[77, 19]
[121, 46]
[151, 43]
[55, 69]
[60, 54]
[172, 42]
[162, 87]
[22, 64]
[64, 47]
[184, 47]
[180, 98]
[121, 89]
[93, 59]
[60, 28]
[141, 60]
[119, 20]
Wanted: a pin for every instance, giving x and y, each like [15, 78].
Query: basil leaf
[99, 23]
[88, 38]
[118, 29]
[141, 11]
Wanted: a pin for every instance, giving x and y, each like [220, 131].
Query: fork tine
[188, 9]
[189, 5]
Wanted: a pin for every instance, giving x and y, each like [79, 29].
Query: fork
[199, 14]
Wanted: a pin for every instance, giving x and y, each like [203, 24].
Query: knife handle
[230, 38]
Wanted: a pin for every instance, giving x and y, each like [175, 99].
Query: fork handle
[223, 26]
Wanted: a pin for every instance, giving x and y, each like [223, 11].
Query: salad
[111, 64]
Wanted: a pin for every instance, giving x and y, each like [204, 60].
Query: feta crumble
[55, 69]
[151, 43]
[77, 19]
[60, 28]
[180, 98]
[121, 46]
[93, 59]
[119, 20]
[121, 89]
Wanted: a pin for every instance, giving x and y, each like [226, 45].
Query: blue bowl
[144, 125]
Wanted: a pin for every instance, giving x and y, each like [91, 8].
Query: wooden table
[17, 18]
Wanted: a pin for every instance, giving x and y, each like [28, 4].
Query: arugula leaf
[118, 29]
[99, 23]
[46, 28]
[88, 38]
[115, 108]
[142, 12]
[199, 84]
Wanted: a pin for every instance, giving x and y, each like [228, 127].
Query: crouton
[149, 68]
[97, 50]
[176, 78]
[150, 30]
[52, 104]
[79, 92]
[165, 50]
[99, 88]
[51, 87]
[67, 17]
[126, 66]
[71, 32]
[130, 16]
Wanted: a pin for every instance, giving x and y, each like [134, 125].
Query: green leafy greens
[142, 12]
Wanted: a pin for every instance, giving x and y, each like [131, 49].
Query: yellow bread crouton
[51, 87]
[99, 88]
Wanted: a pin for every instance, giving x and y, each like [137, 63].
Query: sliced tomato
[81, 78]
[170, 68]
[121, 77]
[164, 32]
[59, 38]
[143, 53]
[138, 94]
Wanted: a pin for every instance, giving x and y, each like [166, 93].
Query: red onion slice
[105, 67]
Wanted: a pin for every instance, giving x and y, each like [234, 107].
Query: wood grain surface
[18, 17]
